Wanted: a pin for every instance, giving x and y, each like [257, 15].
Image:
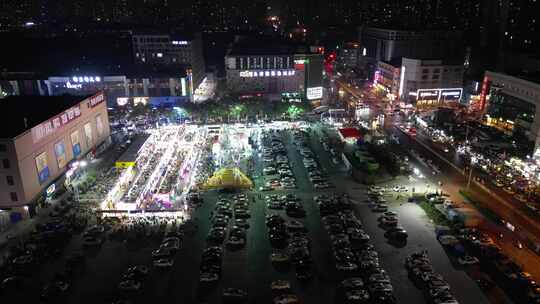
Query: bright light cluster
[273, 73]
[86, 78]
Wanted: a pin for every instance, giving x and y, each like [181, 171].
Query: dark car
[400, 234]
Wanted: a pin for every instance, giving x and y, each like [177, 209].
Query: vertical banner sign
[75, 144]
[484, 92]
[88, 135]
[99, 125]
[42, 167]
[60, 152]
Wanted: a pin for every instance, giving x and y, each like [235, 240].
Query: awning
[228, 178]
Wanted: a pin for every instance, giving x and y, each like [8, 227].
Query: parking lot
[300, 248]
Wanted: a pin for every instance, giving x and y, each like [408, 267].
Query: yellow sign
[124, 164]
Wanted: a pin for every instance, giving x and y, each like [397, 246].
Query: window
[424, 77]
[9, 180]
[3, 148]
[13, 196]
[5, 163]
[425, 71]
[435, 77]
[436, 70]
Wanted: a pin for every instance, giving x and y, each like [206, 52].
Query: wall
[5, 189]
[27, 150]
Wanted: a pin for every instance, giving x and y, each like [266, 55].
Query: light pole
[473, 161]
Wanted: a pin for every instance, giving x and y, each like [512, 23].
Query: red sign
[50, 126]
[95, 100]
[484, 92]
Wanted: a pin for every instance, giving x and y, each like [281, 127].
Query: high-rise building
[162, 50]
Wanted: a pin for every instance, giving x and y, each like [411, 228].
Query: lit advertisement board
[42, 167]
[484, 92]
[99, 125]
[60, 152]
[451, 94]
[75, 144]
[427, 94]
[88, 135]
[314, 93]
[50, 126]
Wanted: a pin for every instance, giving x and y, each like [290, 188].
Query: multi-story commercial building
[423, 82]
[167, 50]
[379, 44]
[272, 70]
[175, 87]
[387, 76]
[41, 138]
[512, 104]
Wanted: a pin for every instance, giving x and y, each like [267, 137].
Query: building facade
[380, 44]
[387, 77]
[273, 75]
[512, 104]
[118, 89]
[167, 50]
[43, 140]
[430, 82]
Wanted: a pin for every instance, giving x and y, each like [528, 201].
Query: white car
[468, 260]
[129, 285]
[164, 263]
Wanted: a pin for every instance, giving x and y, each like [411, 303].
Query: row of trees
[249, 109]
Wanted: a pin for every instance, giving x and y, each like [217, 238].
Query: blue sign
[43, 175]
[76, 150]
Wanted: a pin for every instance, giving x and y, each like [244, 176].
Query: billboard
[42, 167]
[50, 126]
[60, 152]
[75, 143]
[314, 93]
[484, 92]
[451, 94]
[88, 134]
[99, 125]
[95, 100]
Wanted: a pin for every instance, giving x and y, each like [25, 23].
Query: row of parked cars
[289, 202]
[316, 175]
[225, 212]
[367, 281]
[276, 163]
[46, 242]
[388, 219]
[291, 246]
[420, 271]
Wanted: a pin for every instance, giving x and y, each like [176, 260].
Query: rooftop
[33, 109]
[267, 46]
